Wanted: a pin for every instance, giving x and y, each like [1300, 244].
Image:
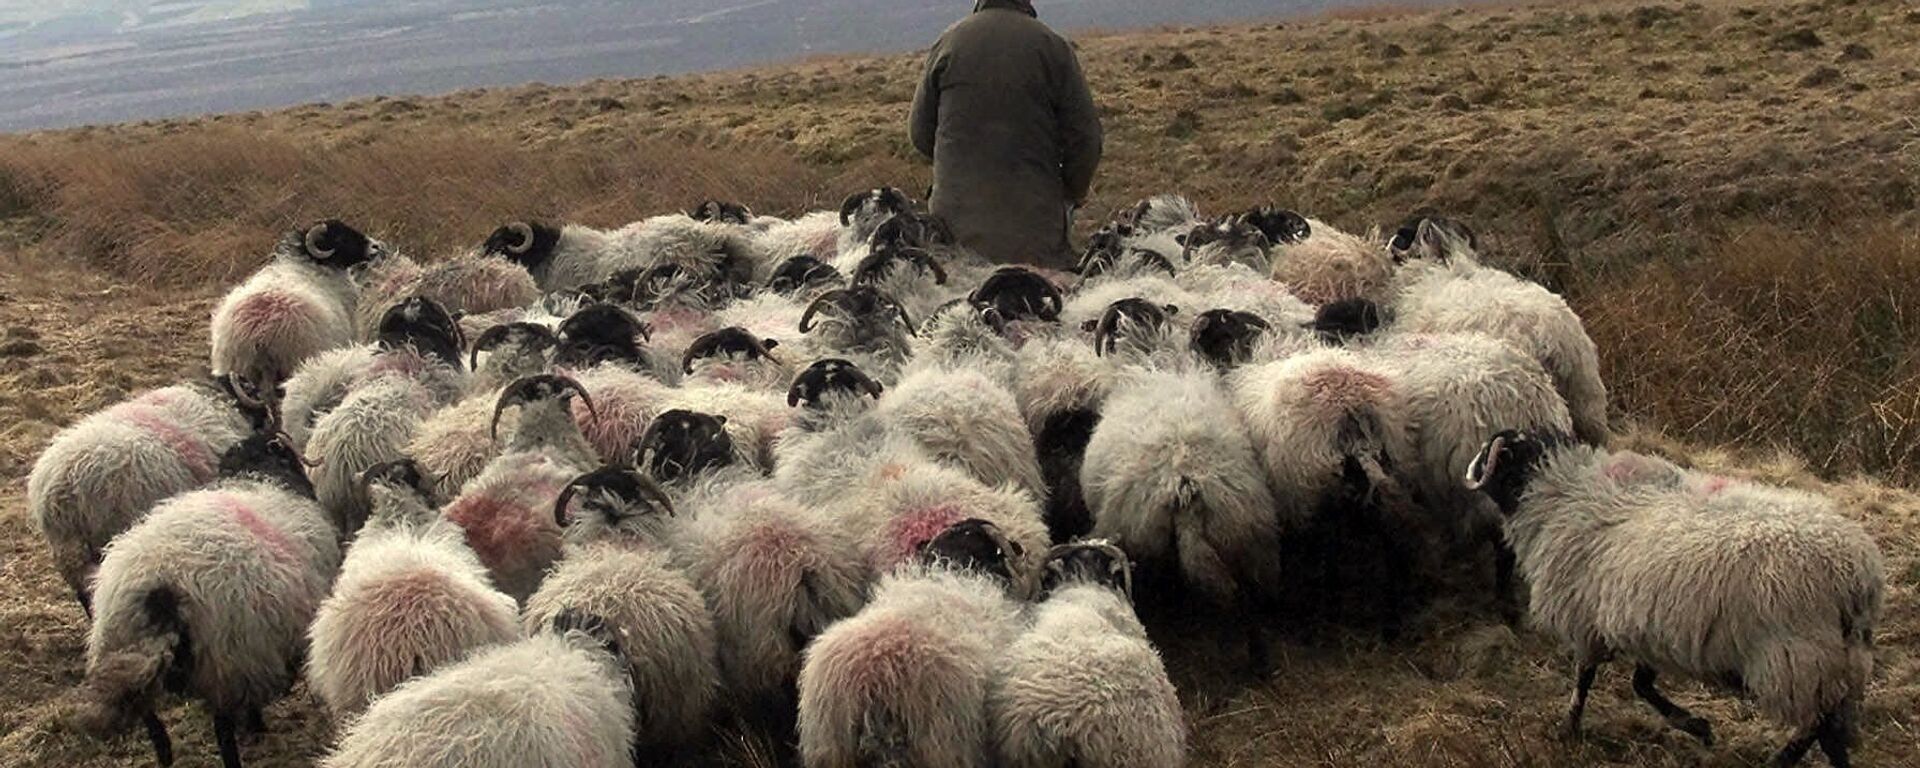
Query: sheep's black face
[1232, 233]
[1088, 562]
[1428, 236]
[680, 445]
[603, 632]
[260, 411]
[1345, 319]
[1104, 248]
[910, 229]
[1226, 337]
[537, 389]
[269, 456]
[830, 375]
[612, 492]
[523, 338]
[733, 342]
[882, 260]
[334, 244]
[1505, 465]
[1280, 227]
[601, 333]
[421, 323]
[1017, 293]
[721, 211]
[975, 546]
[1127, 316]
[861, 306]
[874, 205]
[529, 244]
[799, 273]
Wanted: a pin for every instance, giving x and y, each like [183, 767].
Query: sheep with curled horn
[619, 565]
[413, 333]
[1091, 299]
[1433, 238]
[931, 234]
[470, 283]
[721, 212]
[803, 277]
[417, 371]
[735, 355]
[100, 476]
[453, 444]
[506, 511]
[1769, 591]
[569, 256]
[860, 323]
[412, 597]
[209, 597]
[1082, 685]
[862, 213]
[834, 442]
[1229, 241]
[561, 698]
[297, 306]
[1135, 328]
[1329, 265]
[908, 274]
[905, 681]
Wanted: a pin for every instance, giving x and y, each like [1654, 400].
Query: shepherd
[1005, 114]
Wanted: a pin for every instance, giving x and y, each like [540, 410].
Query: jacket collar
[1023, 6]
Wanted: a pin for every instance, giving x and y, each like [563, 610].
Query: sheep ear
[722, 420]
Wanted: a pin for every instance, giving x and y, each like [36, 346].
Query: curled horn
[926, 260]
[1052, 293]
[1103, 332]
[851, 204]
[1480, 470]
[524, 231]
[244, 392]
[284, 440]
[793, 393]
[1256, 321]
[314, 234]
[806, 318]
[994, 320]
[560, 504]
[515, 395]
[912, 330]
[867, 383]
[492, 337]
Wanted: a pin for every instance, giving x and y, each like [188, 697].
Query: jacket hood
[1023, 6]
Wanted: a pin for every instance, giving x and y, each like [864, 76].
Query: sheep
[100, 475]
[1233, 241]
[561, 698]
[299, 305]
[860, 323]
[468, 284]
[722, 212]
[1462, 297]
[905, 681]
[803, 274]
[963, 416]
[1082, 685]
[862, 213]
[734, 355]
[417, 372]
[908, 274]
[618, 567]
[1060, 382]
[1092, 298]
[1171, 476]
[209, 596]
[1457, 387]
[1329, 265]
[1434, 239]
[1767, 590]
[1164, 213]
[411, 597]
[1117, 250]
[1280, 226]
[513, 350]
[931, 235]
[774, 577]
[751, 418]
[833, 442]
[571, 256]
[318, 386]
[506, 510]
[813, 236]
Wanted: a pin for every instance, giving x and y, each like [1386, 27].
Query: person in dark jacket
[1004, 112]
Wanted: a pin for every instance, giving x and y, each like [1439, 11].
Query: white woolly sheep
[472, 283]
[209, 597]
[559, 699]
[905, 681]
[99, 476]
[1083, 686]
[570, 256]
[411, 597]
[299, 305]
[1768, 590]
[1329, 265]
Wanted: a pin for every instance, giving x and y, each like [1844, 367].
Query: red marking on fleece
[193, 452]
[274, 539]
[676, 318]
[825, 245]
[893, 653]
[1346, 389]
[911, 528]
[1715, 485]
[159, 398]
[269, 310]
[408, 364]
[499, 527]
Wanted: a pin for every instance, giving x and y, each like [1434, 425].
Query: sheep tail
[121, 686]
[883, 741]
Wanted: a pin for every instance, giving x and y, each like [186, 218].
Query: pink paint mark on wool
[825, 245]
[193, 452]
[275, 540]
[270, 309]
[910, 529]
[398, 362]
[1715, 484]
[159, 398]
[1346, 388]
[676, 318]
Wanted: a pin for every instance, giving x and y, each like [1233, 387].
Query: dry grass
[1729, 207]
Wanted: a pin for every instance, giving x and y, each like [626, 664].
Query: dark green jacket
[1005, 114]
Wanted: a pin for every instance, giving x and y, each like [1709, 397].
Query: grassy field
[1725, 190]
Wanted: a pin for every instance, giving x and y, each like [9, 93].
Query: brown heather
[1725, 190]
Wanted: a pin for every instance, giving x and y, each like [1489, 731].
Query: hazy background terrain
[71, 62]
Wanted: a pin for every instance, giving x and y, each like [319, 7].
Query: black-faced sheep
[299, 305]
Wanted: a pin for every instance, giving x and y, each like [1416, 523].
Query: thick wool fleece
[1331, 265]
[287, 312]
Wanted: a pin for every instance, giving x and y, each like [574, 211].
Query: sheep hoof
[1698, 727]
[1569, 731]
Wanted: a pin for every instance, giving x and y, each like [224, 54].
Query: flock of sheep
[571, 497]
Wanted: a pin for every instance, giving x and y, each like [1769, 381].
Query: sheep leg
[1259, 661]
[86, 602]
[1589, 666]
[225, 732]
[157, 735]
[1796, 749]
[1503, 560]
[1675, 715]
[1834, 736]
[256, 724]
